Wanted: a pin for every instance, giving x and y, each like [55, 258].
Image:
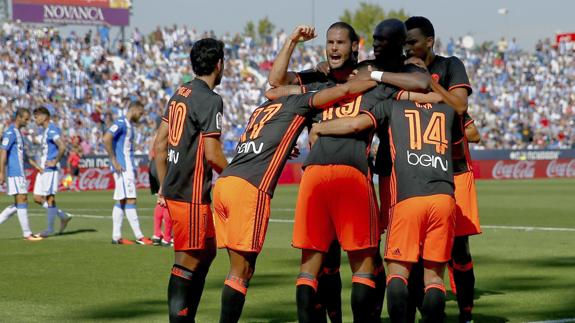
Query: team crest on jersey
[435, 77]
[219, 118]
[5, 141]
[114, 128]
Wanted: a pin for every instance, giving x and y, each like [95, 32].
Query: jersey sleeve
[309, 76]
[301, 104]
[457, 76]
[467, 120]
[457, 130]
[54, 134]
[379, 112]
[8, 139]
[210, 118]
[117, 129]
[166, 115]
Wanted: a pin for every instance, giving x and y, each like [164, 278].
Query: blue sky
[527, 20]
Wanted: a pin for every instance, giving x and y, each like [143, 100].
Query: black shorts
[75, 171]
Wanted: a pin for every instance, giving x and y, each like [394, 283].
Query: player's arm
[280, 91]
[214, 153]
[161, 150]
[341, 127]
[279, 74]
[327, 97]
[61, 151]
[456, 98]
[3, 158]
[108, 138]
[472, 133]
[430, 97]
[414, 78]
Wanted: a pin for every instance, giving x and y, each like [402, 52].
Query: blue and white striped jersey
[123, 143]
[14, 145]
[49, 146]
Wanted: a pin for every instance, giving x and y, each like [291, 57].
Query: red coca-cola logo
[515, 170]
[95, 179]
[561, 169]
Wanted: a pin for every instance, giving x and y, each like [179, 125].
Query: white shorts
[46, 183]
[16, 185]
[125, 186]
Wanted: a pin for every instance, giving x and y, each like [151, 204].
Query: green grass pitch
[522, 275]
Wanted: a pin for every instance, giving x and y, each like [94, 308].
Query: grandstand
[523, 98]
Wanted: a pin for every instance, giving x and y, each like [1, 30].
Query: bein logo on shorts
[426, 160]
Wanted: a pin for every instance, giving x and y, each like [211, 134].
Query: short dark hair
[42, 110]
[350, 31]
[20, 112]
[205, 55]
[422, 23]
[135, 103]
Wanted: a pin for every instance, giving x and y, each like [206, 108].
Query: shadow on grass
[125, 310]
[77, 231]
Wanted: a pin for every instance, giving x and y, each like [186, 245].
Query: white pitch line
[556, 321]
[495, 227]
[506, 227]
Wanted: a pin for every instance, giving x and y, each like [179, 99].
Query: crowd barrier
[95, 172]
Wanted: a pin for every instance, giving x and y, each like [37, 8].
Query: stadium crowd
[522, 99]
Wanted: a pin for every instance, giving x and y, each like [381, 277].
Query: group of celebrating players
[417, 106]
[415, 103]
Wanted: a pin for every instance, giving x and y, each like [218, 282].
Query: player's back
[13, 143]
[193, 112]
[266, 144]
[123, 143]
[420, 138]
[351, 150]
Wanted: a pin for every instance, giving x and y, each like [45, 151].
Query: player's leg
[313, 233]
[167, 235]
[52, 213]
[158, 215]
[463, 277]
[131, 210]
[11, 189]
[194, 253]
[242, 267]
[433, 305]
[187, 281]
[437, 249]
[306, 287]
[241, 221]
[363, 292]
[380, 282]
[329, 283]
[132, 215]
[117, 219]
[21, 201]
[397, 293]
[416, 290]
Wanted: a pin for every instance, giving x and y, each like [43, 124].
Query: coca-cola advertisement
[524, 169]
[89, 179]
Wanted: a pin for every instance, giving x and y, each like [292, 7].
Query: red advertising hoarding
[524, 169]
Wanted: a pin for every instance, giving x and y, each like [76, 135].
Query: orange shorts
[421, 226]
[466, 214]
[335, 202]
[384, 202]
[242, 214]
[192, 224]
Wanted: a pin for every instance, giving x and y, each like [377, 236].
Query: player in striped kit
[46, 185]
[12, 155]
[119, 143]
